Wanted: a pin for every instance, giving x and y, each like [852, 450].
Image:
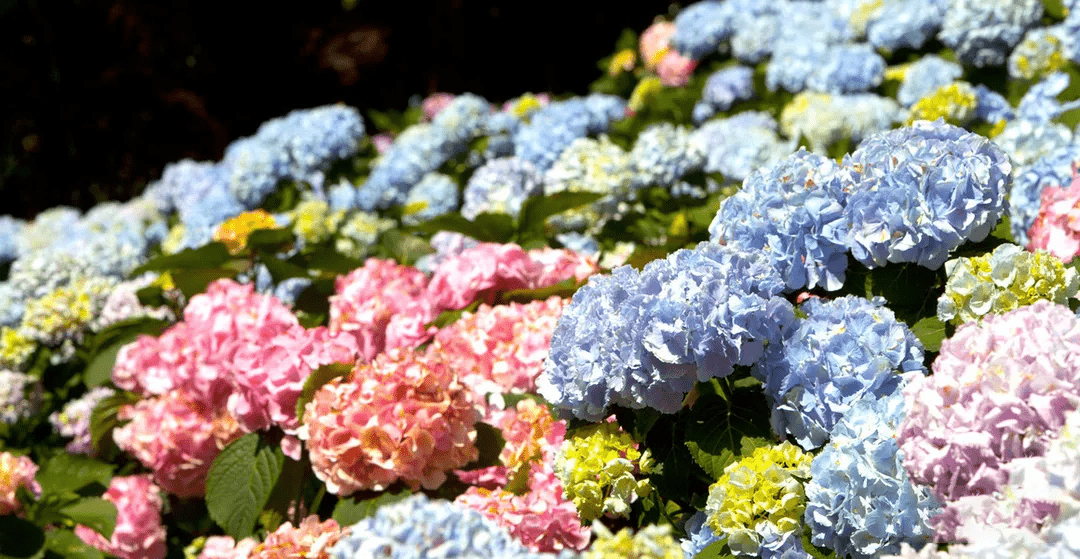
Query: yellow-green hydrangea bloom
[523, 107]
[650, 542]
[597, 466]
[863, 12]
[589, 165]
[359, 232]
[1039, 54]
[15, 349]
[313, 221]
[759, 494]
[955, 103]
[174, 240]
[1003, 280]
[65, 313]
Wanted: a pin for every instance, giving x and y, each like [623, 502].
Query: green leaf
[70, 472]
[564, 289]
[405, 249]
[192, 281]
[281, 269]
[316, 380]
[152, 296]
[716, 550]
[722, 424]
[1003, 230]
[66, 544]
[1055, 9]
[349, 511]
[930, 331]
[107, 344]
[328, 259]
[270, 241]
[486, 227]
[489, 443]
[99, 369]
[95, 512]
[207, 256]
[446, 318]
[240, 481]
[104, 417]
[19, 537]
[815, 551]
[537, 209]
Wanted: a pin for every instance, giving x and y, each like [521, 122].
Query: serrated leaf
[104, 416]
[94, 512]
[240, 481]
[930, 331]
[537, 209]
[403, 248]
[70, 472]
[489, 443]
[207, 256]
[66, 544]
[19, 537]
[349, 511]
[718, 424]
[316, 380]
[280, 269]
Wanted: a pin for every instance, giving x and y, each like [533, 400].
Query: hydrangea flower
[500, 186]
[16, 472]
[655, 42]
[793, 212]
[1043, 51]
[1055, 228]
[418, 527]
[11, 230]
[825, 119]
[684, 319]
[588, 165]
[63, 316]
[859, 500]
[675, 69]
[123, 304]
[905, 23]
[758, 504]
[599, 466]
[653, 541]
[404, 416]
[234, 232]
[956, 103]
[313, 221]
[139, 533]
[983, 32]
[15, 348]
[919, 192]
[1003, 280]
[553, 128]
[664, 153]
[722, 89]
[311, 539]
[699, 535]
[436, 194]
[792, 63]
[1000, 390]
[433, 104]
[701, 27]
[359, 232]
[850, 68]
[1040, 104]
[220, 547]
[738, 145]
[925, 76]
[73, 420]
[843, 349]
[992, 107]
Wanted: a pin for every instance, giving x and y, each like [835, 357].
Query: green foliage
[240, 481]
[931, 332]
[316, 380]
[725, 422]
[64, 543]
[94, 512]
[68, 473]
[489, 443]
[19, 537]
[351, 510]
[207, 256]
[103, 419]
[103, 347]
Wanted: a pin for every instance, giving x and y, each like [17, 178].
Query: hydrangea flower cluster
[597, 465]
[850, 68]
[1043, 51]
[663, 153]
[435, 195]
[905, 23]
[1056, 228]
[74, 420]
[20, 396]
[588, 165]
[1000, 390]
[736, 146]
[650, 542]
[925, 76]
[758, 504]
[699, 535]
[61, 317]
[844, 349]
[1025, 197]
[794, 213]
[220, 547]
[16, 472]
[139, 533]
[500, 349]
[404, 416]
[15, 348]
[123, 303]
[311, 539]
[234, 232]
[982, 33]
[918, 192]
[1003, 280]
[418, 527]
[722, 89]
[955, 103]
[825, 119]
[554, 127]
[500, 186]
[359, 232]
[643, 339]
[860, 500]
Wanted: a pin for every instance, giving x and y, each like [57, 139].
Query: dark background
[99, 96]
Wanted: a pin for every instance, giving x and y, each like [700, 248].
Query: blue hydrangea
[983, 32]
[793, 62]
[10, 231]
[924, 76]
[793, 213]
[1026, 141]
[436, 194]
[500, 186]
[1040, 103]
[906, 23]
[824, 119]
[701, 27]
[342, 196]
[860, 501]
[255, 167]
[418, 527]
[992, 106]
[644, 339]
[843, 349]
[754, 41]
[736, 146]
[850, 68]
[462, 120]
[500, 129]
[12, 304]
[55, 227]
[918, 192]
[699, 535]
[722, 89]
[35, 275]
[554, 127]
[589, 165]
[579, 242]
[1053, 169]
[185, 182]
[663, 153]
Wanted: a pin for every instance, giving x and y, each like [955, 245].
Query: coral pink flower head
[224, 547]
[16, 472]
[1057, 227]
[434, 104]
[403, 416]
[139, 533]
[311, 540]
[675, 69]
[655, 42]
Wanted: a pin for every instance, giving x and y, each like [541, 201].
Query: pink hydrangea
[139, 533]
[434, 104]
[559, 264]
[383, 305]
[500, 349]
[404, 416]
[382, 142]
[1057, 227]
[1000, 390]
[16, 472]
[675, 69]
[542, 518]
[312, 539]
[655, 42]
[224, 547]
[531, 433]
[275, 372]
[177, 438]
